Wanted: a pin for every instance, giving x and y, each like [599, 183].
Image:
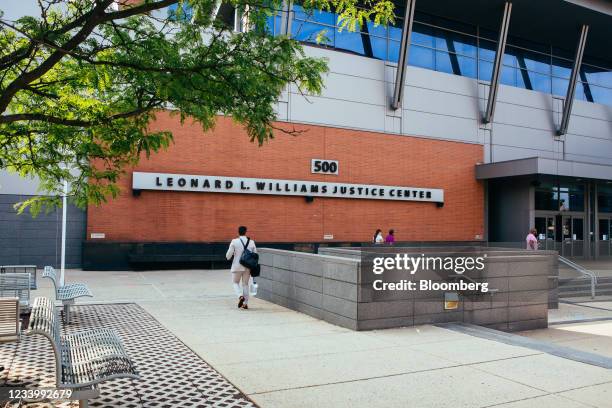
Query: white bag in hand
[252, 287]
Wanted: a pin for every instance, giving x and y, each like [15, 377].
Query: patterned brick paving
[172, 374]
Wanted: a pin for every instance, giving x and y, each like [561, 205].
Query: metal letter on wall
[403, 55]
[571, 88]
[499, 55]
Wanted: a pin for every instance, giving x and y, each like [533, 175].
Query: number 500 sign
[320, 166]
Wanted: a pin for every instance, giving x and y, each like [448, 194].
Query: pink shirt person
[390, 237]
[532, 241]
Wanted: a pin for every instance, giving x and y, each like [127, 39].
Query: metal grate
[172, 375]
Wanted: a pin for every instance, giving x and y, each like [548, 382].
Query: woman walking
[240, 272]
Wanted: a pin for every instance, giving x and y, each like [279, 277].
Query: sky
[14, 9]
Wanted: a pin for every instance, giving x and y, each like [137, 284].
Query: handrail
[583, 271]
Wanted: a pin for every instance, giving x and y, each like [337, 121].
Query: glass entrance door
[545, 226]
[605, 230]
[569, 235]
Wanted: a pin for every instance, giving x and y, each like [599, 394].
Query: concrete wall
[444, 106]
[37, 241]
[338, 289]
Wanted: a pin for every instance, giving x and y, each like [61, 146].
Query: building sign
[244, 185]
[320, 166]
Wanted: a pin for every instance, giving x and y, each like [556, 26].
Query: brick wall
[364, 157]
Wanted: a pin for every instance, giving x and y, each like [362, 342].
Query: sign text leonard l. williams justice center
[244, 185]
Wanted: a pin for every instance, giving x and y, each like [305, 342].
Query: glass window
[485, 70]
[561, 68]
[350, 41]
[448, 63]
[421, 57]
[546, 199]
[379, 31]
[571, 197]
[508, 76]
[539, 82]
[394, 47]
[379, 47]
[604, 229]
[395, 30]
[422, 35]
[456, 43]
[533, 61]
[308, 32]
[604, 198]
[601, 95]
[577, 229]
[323, 17]
[559, 86]
[467, 66]
[486, 50]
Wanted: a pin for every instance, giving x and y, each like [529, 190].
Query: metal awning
[540, 165]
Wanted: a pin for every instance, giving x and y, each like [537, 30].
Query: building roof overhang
[544, 166]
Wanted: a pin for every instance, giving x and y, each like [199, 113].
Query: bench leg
[67, 313]
[83, 403]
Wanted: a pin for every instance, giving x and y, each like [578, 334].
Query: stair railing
[583, 271]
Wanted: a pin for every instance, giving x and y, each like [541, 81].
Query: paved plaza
[282, 358]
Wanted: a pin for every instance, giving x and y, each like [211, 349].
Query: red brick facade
[364, 158]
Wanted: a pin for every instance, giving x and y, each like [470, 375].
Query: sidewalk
[281, 358]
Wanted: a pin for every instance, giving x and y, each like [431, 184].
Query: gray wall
[510, 209]
[443, 106]
[28, 240]
[339, 290]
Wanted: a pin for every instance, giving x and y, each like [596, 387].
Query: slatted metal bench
[83, 359]
[66, 293]
[9, 319]
[31, 269]
[16, 285]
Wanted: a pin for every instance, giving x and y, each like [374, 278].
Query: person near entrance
[239, 271]
[532, 240]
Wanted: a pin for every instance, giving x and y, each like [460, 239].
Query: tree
[80, 83]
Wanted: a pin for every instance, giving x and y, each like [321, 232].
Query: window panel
[604, 201]
[597, 76]
[323, 17]
[533, 61]
[349, 41]
[467, 66]
[306, 31]
[422, 35]
[457, 43]
[540, 82]
[394, 47]
[395, 30]
[487, 50]
[508, 76]
[379, 47]
[561, 68]
[559, 86]
[579, 92]
[485, 70]
[601, 95]
[379, 31]
[421, 57]
[444, 63]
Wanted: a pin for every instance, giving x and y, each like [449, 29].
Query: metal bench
[9, 319]
[83, 359]
[31, 269]
[67, 293]
[16, 285]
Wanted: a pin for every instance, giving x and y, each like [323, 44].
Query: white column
[63, 257]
